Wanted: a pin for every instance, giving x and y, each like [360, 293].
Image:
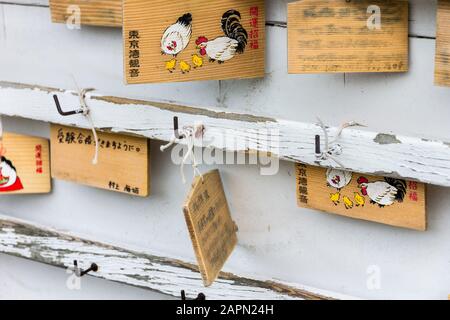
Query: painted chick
[197, 61]
[185, 67]
[171, 65]
[348, 203]
[335, 198]
[359, 200]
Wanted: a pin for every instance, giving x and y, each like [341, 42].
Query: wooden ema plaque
[24, 164]
[186, 40]
[123, 161]
[389, 201]
[212, 231]
[442, 64]
[106, 13]
[331, 36]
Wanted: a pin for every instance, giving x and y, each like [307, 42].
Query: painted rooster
[225, 48]
[338, 178]
[176, 37]
[384, 193]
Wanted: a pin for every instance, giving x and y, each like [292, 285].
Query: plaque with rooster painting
[391, 201]
[172, 41]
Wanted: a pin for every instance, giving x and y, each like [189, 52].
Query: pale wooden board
[123, 162]
[326, 36]
[106, 13]
[212, 230]
[442, 63]
[141, 269]
[314, 191]
[152, 18]
[385, 154]
[30, 157]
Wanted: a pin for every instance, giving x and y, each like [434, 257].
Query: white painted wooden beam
[161, 274]
[363, 151]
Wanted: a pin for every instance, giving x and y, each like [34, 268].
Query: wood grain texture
[162, 274]
[385, 154]
[106, 13]
[31, 161]
[123, 161]
[152, 18]
[326, 36]
[442, 63]
[315, 190]
[212, 231]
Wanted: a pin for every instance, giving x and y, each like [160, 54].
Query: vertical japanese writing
[302, 177]
[254, 31]
[413, 191]
[133, 53]
[38, 157]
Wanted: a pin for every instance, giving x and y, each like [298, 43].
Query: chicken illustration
[185, 67]
[384, 193]
[171, 65]
[338, 178]
[225, 48]
[9, 180]
[335, 198]
[360, 201]
[176, 37]
[348, 203]
[197, 61]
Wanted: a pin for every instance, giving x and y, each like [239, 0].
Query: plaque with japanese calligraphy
[212, 231]
[24, 164]
[123, 161]
[389, 201]
[186, 40]
[332, 36]
[442, 64]
[106, 13]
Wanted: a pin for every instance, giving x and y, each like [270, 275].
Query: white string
[333, 149]
[86, 113]
[189, 133]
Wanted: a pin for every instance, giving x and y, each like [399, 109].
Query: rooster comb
[362, 180]
[201, 40]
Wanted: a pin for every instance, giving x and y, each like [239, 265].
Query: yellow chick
[197, 61]
[348, 203]
[185, 67]
[171, 65]
[335, 198]
[359, 200]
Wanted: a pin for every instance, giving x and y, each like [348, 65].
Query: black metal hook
[93, 267]
[175, 129]
[65, 113]
[200, 296]
[318, 153]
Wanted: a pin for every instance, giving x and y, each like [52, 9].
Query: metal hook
[65, 113]
[175, 129]
[200, 296]
[79, 272]
[318, 153]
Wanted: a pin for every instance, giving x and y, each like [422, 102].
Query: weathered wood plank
[161, 274]
[442, 64]
[363, 151]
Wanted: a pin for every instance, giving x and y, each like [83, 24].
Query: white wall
[276, 239]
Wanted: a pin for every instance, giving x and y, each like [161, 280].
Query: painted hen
[177, 36]
[225, 48]
[384, 193]
[338, 178]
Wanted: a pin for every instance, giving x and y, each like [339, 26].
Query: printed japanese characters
[24, 165]
[212, 231]
[123, 162]
[326, 36]
[193, 40]
[385, 200]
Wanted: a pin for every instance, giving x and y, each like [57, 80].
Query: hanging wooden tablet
[24, 164]
[123, 161]
[185, 40]
[389, 201]
[212, 231]
[327, 36]
[442, 64]
[106, 13]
